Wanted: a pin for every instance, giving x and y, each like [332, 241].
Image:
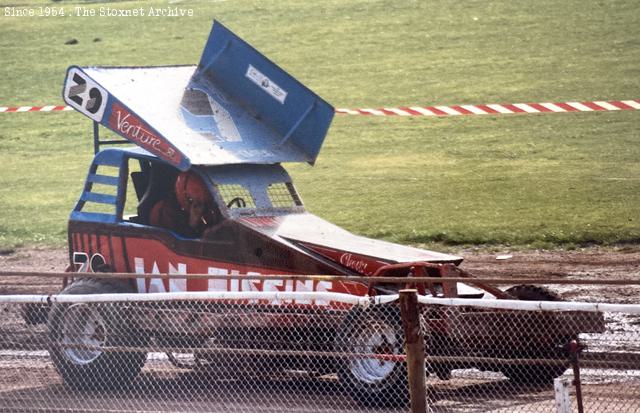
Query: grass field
[522, 180]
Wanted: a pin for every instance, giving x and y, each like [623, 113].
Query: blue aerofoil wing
[276, 118]
[235, 107]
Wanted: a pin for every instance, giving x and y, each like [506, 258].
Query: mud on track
[29, 382]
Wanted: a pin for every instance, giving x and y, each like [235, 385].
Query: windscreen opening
[236, 196]
[282, 195]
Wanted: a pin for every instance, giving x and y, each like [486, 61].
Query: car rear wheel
[556, 351]
[81, 332]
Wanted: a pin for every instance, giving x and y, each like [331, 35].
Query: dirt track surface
[29, 382]
[32, 259]
[592, 263]
[589, 264]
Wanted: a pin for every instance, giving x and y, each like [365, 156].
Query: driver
[194, 212]
[195, 201]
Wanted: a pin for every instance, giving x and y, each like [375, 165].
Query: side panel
[361, 264]
[149, 250]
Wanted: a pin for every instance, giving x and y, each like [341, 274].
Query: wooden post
[414, 346]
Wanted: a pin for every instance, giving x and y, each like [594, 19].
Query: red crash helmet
[189, 189]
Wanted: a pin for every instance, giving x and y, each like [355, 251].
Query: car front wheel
[90, 343]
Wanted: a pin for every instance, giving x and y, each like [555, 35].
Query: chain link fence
[506, 356]
[102, 348]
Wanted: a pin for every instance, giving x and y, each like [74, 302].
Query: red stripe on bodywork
[361, 264]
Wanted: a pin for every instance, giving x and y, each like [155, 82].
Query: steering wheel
[240, 202]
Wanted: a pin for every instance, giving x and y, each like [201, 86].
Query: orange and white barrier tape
[496, 109]
[453, 110]
[33, 108]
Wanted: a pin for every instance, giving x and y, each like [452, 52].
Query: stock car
[233, 120]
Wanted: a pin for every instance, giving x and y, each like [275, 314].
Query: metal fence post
[414, 345]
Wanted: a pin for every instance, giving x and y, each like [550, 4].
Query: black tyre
[532, 293]
[556, 350]
[377, 381]
[74, 327]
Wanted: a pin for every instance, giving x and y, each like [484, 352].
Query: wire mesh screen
[260, 352]
[282, 195]
[236, 196]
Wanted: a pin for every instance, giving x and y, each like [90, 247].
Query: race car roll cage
[237, 190]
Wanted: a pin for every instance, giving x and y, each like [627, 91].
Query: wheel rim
[82, 327]
[375, 339]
